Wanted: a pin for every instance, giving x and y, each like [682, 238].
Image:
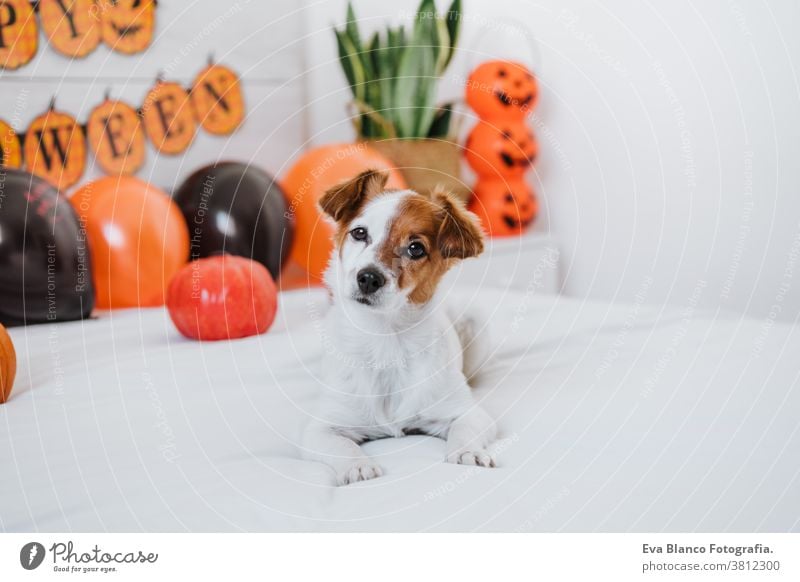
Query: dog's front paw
[359, 471]
[478, 457]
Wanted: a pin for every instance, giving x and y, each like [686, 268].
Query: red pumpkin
[55, 149]
[116, 137]
[8, 364]
[168, 118]
[504, 207]
[217, 100]
[19, 34]
[10, 150]
[71, 27]
[222, 297]
[502, 90]
[503, 148]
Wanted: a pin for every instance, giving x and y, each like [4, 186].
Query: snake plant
[393, 75]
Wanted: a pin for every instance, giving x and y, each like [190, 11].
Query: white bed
[613, 418]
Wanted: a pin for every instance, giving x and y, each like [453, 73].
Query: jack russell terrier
[400, 361]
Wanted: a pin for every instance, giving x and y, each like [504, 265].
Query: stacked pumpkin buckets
[501, 147]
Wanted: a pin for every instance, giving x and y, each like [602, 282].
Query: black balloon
[45, 267]
[237, 209]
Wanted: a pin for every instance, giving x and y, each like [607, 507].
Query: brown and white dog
[398, 363]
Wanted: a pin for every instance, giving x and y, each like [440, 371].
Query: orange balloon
[309, 178]
[137, 237]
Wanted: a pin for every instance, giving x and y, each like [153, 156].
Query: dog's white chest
[389, 382]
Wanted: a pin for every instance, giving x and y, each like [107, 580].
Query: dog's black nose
[369, 280]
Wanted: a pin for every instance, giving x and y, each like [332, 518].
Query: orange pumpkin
[19, 33]
[168, 118]
[116, 137]
[501, 148]
[127, 25]
[55, 149]
[504, 207]
[8, 364]
[71, 26]
[10, 150]
[502, 90]
[217, 100]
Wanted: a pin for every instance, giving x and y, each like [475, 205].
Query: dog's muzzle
[370, 280]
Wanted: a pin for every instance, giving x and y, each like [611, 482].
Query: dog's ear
[343, 202]
[459, 235]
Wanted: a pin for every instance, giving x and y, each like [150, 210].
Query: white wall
[670, 139]
[263, 43]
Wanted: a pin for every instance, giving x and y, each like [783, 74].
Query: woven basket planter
[426, 163]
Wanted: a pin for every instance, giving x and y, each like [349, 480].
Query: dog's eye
[359, 233]
[416, 250]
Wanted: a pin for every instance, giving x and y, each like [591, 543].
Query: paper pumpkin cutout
[10, 149]
[168, 118]
[116, 137]
[217, 100]
[502, 90]
[71, 26]
[501, 148]
[55, 149]
[19, 34]
[504, 207]
[127, 25]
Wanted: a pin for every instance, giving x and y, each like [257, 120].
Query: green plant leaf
[425, 30]
[453, 19]
[373, 49]
[441, 43]
[351, 64]
[351, 27]
[385, 126]
[385, 69]
[415, 90]
[394, 77]
[440, 127]
[371, 92]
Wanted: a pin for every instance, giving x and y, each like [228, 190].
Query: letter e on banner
[168, 118]
[116, 137]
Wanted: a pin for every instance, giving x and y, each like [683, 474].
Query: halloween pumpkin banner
[217, 99]
[116, 137]
[54, 146]
[128, 24]
[168, 118]
[74, 27]
[10, 149]
[71, 26]
[18, 33]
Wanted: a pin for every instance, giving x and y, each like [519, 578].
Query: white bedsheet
[612, 418]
